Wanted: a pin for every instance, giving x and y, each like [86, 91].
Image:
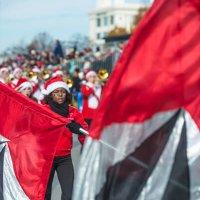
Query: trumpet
[31, 75]
[103, 75]
[45, 74]
[69, 81]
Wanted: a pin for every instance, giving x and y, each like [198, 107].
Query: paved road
[56, 193]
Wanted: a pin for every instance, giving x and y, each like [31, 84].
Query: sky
[21, 20]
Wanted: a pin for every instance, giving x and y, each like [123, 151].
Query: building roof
[126, 6]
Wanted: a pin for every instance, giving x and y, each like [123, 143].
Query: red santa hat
[57, 71]
[53, 84]
[89, 74]
[22, 84]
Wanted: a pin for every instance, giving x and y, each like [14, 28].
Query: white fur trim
[54, 86]
[24, 85]
[57, 73]
[90, 73]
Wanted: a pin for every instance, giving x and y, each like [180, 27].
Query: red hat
[57, 71]
[53, 84]
[22, 84]
[90, 73]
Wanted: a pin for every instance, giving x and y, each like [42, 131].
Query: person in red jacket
[58, 99]
[91, 91]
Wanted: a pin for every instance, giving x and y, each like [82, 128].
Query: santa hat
[90, 73]
[57, 71]
[22, 84]
[53, 84]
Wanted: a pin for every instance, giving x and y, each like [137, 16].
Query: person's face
[27, 91]
[5, 74]
[59, 95]
[18, 75]
[92, 78]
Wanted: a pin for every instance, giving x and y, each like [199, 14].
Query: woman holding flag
[58, 99]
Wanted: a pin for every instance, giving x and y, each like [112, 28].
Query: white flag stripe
[193, 155]
[123, 141]
[157, 182]
[11, 187]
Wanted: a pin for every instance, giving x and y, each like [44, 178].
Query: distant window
[105, 21]
[111, 19]
[98, 22]
[98, 35]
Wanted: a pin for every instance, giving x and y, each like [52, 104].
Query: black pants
[65, 171]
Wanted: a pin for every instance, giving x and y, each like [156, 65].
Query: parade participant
[76, 89]
[91, 91]
[86, 69]
[4, 75]
[24, 87]
[17, 74]
[58, 99]
[57, 71]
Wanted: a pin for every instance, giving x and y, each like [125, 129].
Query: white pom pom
[44, 92]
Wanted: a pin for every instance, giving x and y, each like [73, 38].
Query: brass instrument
[31, 75]
[45, 74]
[69, 81]
[103, 75]
[11, 77]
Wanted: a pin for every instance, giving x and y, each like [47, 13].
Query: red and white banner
[145, 141]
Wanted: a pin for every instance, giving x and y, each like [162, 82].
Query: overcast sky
[21, 20]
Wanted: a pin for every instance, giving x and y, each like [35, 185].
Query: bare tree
[78, 41]
[42, 42]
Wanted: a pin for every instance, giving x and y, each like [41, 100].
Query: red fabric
[64, 145]
[87, 112]
[159, 68]
[33, 132]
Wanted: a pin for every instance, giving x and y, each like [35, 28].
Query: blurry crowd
[27, 74]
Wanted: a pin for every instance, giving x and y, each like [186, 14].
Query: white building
[108, 15]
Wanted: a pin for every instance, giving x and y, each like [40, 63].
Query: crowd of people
[27, 74]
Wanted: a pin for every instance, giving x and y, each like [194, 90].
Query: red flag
[160, 63]
[30, 135]
[138, 127]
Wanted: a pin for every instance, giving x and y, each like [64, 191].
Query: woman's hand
[74, 127]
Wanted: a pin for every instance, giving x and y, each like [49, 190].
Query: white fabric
[93, 100]
[157, 182]
[11, 187]
[117, 141]
[193, 154]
